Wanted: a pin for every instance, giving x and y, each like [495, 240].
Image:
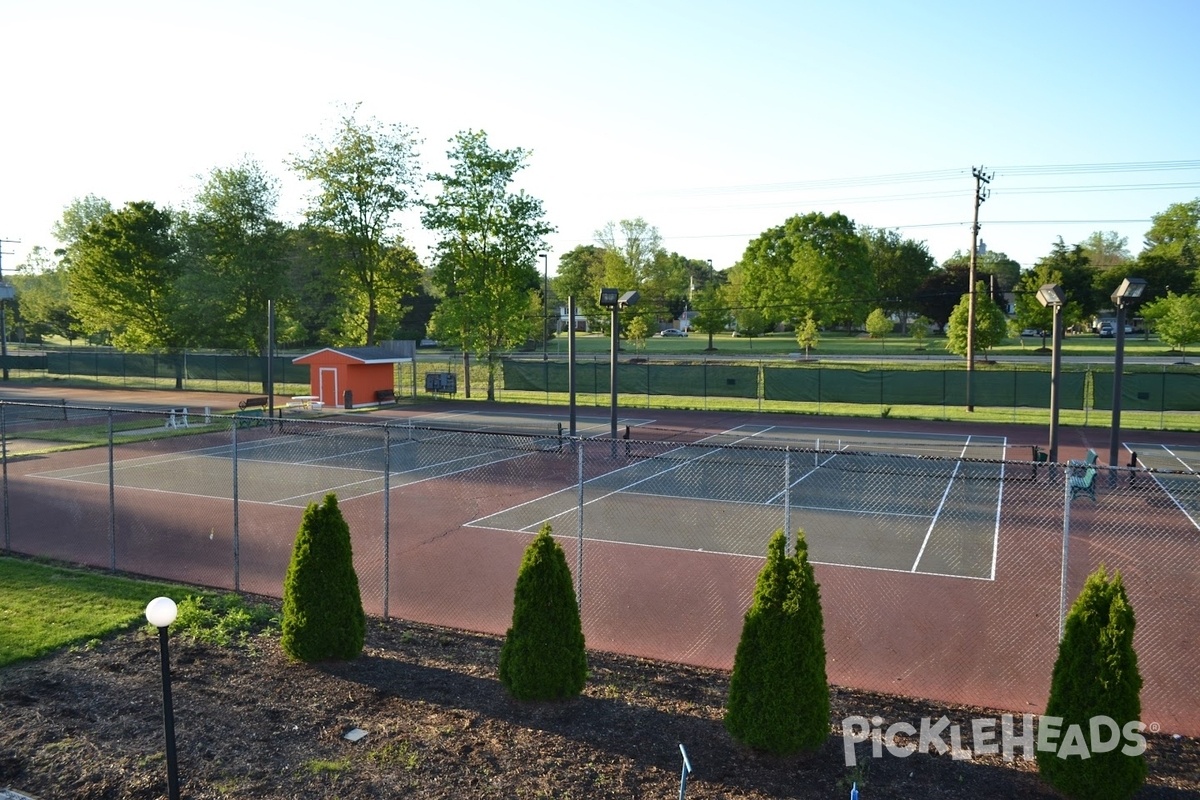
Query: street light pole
[613, 300]
[1051, 294]
[160, 613]
[545, 299]
[1130, 289]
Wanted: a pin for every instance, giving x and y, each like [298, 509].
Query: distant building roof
[363, 355]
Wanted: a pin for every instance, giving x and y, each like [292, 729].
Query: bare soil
[87, 724]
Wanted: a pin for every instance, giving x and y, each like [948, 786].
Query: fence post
[387, 510]
[787, 499]
[112, 499]
[579, 531]
[237, 574]
[4, 461]
[1062, 598]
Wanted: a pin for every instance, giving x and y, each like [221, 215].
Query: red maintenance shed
[345, 377]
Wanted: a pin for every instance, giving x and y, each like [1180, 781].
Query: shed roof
[360, 355]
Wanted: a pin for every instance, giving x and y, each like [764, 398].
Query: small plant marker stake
[687, 770]
[854, 791]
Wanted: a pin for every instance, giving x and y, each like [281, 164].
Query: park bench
[385, 396]
[1040, 456]
[1083, 483]
[253, 402]
[1088, 461]
[177, 418]
[251, 407]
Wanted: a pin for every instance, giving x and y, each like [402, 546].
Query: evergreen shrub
[778, 692]
[543, 656]
[322, 609]
[1096, 674]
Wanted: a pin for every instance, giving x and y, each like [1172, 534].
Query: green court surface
[860, 503]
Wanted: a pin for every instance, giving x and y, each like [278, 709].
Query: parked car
[1106, 330]
[666, 332]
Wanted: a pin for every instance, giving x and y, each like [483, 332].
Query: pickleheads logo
[900, 739]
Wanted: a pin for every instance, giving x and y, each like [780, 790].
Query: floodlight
[629, 298]
[609, 298]
[1051, 294]
[1130, 289]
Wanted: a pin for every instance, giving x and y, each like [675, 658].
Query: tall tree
[123, 279]
[489, 237]
[941, 291]
[236, 257]
[713, 312]
[1030, 313]
[77, 216]
[43, 303]
[1077, 279]
[631, 247]
[815, 263]
[1106, 249]
[368, 175]
[992, 266]
[899, 267]
[1174, 236]
[581, 273]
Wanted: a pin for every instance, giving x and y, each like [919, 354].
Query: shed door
[327, 378]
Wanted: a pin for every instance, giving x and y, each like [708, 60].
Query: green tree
[778, 691]
[637, 330]
[751, 323]
[43, 303]
[322, 608]
[367, 174]
[1077, 278]
[808, 334]
[581, 273]
[991, 266]
[544, 656]
[1105, 250]
[879, 324]
[919, 331]
[712, 312]
[1096, 675]
[1029, 312]
[1176, 318]
[123, 276]
[484, 266]
[813, 263]
[990, 323]
[77, 216]
[632, 246]
[940, 292]
[236, 257]
[1174, 238]
[898, 267]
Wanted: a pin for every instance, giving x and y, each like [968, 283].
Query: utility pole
[981, 194]
[6, 294]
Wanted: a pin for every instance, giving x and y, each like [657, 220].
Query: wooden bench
[253, 402]
[1083, 483]
[385, 396]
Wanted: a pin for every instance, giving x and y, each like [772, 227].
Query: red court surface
[444, 550]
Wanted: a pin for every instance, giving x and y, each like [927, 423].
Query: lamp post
[1051, 295]
[1130, 289]
[545, 299]
[160, 613]
[613, 300]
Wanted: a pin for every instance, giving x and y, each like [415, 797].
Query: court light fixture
[1130, 289]
[613, 299]
[1051, 295]
[609, 297]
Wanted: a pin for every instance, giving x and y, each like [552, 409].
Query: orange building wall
[363, 380]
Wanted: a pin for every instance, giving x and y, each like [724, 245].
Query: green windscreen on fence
[592, 377]
[1150, 391]
[992, 388]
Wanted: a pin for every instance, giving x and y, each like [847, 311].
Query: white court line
[999, 506]
[1168, 492]
[941, 505]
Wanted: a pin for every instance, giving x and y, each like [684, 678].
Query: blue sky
[713, 121]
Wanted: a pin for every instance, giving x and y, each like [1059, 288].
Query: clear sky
[713, 121]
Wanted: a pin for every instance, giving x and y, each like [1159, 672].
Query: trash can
[348, 399]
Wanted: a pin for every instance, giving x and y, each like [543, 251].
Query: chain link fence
[944, 568]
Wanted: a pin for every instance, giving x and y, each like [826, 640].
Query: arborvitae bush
[543, 656]
[1096, 674]
[322, 609]
[778, 692]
